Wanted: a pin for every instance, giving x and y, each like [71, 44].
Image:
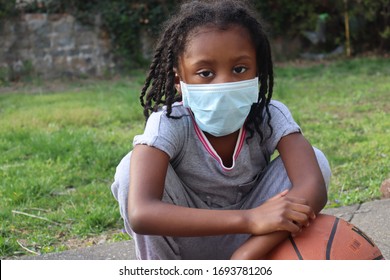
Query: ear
[177, 81]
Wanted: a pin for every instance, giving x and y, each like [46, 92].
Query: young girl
[201, 184]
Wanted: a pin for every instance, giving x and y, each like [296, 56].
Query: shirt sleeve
[282, 124]
[163, 133]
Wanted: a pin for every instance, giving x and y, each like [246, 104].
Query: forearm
[257, 247]
[159, 218]
[280, 213]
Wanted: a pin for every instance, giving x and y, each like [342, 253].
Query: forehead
[212, 40]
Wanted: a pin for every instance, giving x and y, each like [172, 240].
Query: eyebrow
[244, 56]
[207, 61]
[201, 62]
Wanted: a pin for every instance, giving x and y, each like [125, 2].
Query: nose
[222, 78]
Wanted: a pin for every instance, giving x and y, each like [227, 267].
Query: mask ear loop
[259, 98]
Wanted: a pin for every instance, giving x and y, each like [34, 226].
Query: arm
[307, 183]
[149, 215]
[303, 170]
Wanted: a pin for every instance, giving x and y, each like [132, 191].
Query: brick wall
[53, 46]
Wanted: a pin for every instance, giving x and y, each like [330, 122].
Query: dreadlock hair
[159, 88]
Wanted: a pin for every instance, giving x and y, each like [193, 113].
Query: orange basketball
[327, 238]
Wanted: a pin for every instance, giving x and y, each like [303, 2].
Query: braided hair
[159, 88]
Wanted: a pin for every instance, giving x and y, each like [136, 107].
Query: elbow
[138, 220]
[323, 200]
[313, 191]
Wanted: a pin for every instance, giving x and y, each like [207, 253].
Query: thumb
[279, 195]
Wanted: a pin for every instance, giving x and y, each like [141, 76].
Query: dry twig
[34, 216]
[27, 249]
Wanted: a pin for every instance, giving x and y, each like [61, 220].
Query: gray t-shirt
[199, 166]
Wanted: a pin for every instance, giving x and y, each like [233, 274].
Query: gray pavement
[372, 217]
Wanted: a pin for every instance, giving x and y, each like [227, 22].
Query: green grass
[58, 157]
[59, 149]
[343, 108]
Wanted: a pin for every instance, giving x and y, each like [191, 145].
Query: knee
[122, 174]
[121, 183]
[324, 166]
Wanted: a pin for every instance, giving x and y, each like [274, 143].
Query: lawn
[59, 147]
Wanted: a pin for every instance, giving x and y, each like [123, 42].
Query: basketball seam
[331, 237]
[295, 248]
[362, 234]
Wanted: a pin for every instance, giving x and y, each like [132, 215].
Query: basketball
[327, 238]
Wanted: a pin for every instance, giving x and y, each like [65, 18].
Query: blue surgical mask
[220, 109]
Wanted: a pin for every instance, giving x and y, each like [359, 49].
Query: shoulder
[281, 124]
[177, 116]
[160, 124]
[164, 132]
[280, 114]
[177, 112]
[277, 107]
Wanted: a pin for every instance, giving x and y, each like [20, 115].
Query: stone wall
[53, 46]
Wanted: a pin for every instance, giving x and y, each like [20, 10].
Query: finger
[296, 233]
[303, 208]
[279, 195]
[291, 227]
[284, 192]
[299, 200]
[299, 218]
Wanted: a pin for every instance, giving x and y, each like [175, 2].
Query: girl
[201, 184]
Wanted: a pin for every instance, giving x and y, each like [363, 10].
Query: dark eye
[206, 74]
[239, 69]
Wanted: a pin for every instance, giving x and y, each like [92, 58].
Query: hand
[280, 213]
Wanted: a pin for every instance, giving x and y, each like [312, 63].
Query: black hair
[159, 88]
